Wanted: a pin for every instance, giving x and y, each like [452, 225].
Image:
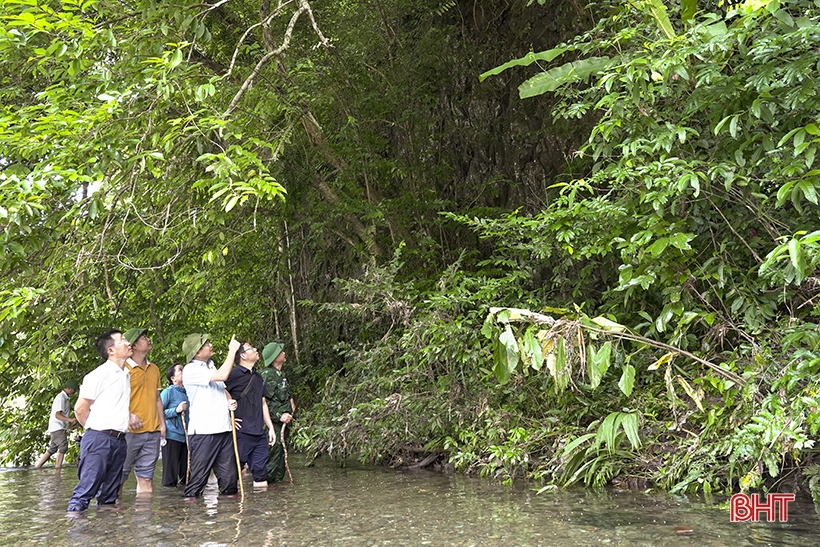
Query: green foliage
[125, 189]
[688, 213]
[614, 279]
[800, 254]
[672, 271]
[597, 462]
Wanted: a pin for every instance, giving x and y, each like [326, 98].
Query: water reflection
[366, 507]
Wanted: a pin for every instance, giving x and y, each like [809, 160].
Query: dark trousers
[212, 452]
[174, 463]
[101, 459]
[253, 450]
[276, 456]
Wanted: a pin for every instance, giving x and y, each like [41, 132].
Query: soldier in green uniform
[280, 404]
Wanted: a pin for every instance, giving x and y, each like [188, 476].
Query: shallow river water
[354, 506]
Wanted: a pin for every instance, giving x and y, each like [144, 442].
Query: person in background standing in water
[280, 404]
[58, 422]
[209, 431]
[102, 408]
[144, 441]
[175, 451]
[247, 388]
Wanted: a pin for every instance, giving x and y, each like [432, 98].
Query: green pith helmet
[71, 384]
[192, 344]
[132, 334]
[271, 352]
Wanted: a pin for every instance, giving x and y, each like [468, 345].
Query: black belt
[112, 432]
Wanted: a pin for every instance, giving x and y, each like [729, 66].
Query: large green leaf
[660, 14]
[567, 73]
[608, 431]
[488, 328]
[533, 349]
[526, 60]
[688, 8]
[630, 425]
[500, 368]
[510, 345]
[575, 443]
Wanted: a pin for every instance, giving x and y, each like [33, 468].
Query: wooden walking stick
[285, 450]
[236, 453]
[187, 447]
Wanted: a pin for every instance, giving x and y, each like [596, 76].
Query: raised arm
[221, 374]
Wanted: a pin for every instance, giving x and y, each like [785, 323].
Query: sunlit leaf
[627, 381]
[608, 324]
[526, 60]
[690, 392]
[666, 358]
[568, 73]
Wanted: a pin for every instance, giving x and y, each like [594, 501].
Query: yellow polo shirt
[145, 385]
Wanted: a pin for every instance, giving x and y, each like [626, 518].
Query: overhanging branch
[304, 7]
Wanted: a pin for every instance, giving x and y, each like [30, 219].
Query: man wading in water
[209, 431]
[247, 388]
[58, 422]
[281, 407]
[144, 442]
[102, 408]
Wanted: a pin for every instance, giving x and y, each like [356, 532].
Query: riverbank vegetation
[547, 240]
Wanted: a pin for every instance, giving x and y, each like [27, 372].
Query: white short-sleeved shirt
[60, 404]
[208, 404]
[109, 387]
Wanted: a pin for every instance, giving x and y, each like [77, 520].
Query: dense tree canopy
[593, 262]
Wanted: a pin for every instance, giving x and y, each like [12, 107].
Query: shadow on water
[356, 506]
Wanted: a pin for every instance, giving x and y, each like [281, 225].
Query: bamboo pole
[285, 450]
[236, 453]
[187, 447]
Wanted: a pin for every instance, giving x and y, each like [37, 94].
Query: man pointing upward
[209, 430]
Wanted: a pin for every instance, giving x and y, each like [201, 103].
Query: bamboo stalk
[236, 453]
[285, 450]
[187, 447]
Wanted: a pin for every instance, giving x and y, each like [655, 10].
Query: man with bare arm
[209, 430]
[146, 386]
[58, 422]
[102, 408]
